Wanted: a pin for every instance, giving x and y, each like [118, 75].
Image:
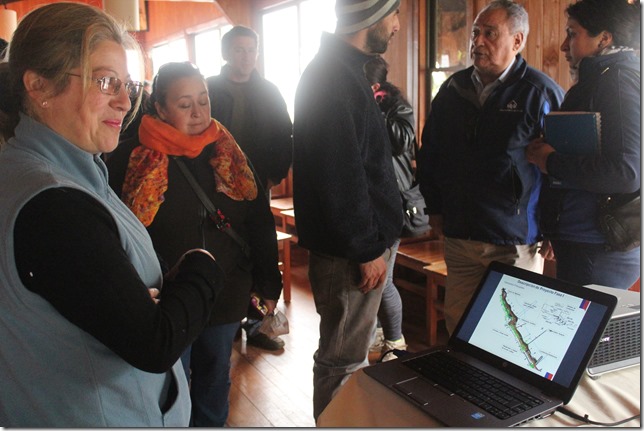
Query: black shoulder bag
[216, 215]
[620, 221]
[415, 218]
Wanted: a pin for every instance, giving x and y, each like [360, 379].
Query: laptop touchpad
[420, 391]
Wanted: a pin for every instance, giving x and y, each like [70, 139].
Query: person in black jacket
[480, 190]
[399, 118]
[602, 36]
[255, 113]
[147, 176]
[252, 108]
[347, 205]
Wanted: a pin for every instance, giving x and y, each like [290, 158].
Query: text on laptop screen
[531, 326]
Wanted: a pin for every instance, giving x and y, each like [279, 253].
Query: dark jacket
[346, 200]
[399, 117]
[610, 85]
[268, 141]
[472, 167]
[182, 224]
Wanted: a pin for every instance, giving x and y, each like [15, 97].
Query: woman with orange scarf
[146, 174]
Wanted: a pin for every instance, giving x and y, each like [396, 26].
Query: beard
[378, 39]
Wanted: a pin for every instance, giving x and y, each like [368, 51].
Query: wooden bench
[426, 259]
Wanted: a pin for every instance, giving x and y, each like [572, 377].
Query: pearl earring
[44, 103]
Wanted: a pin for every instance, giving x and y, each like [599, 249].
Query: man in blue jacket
[481, 192]
[347, 204]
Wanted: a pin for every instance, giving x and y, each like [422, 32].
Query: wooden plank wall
[406, 55]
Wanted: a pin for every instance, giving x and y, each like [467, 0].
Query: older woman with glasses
[89, 337]
[178, 142]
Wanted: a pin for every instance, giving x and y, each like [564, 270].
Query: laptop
[526, 338]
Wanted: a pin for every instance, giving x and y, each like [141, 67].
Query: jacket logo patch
[512, 106]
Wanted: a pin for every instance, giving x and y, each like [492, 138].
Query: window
[175, 50]
[135, 66]
[449, 44]
[206, 46]
[290, 39]
[208, 50]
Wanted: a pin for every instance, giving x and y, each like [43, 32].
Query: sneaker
[378, 342]
[390, 345]
[263, 341]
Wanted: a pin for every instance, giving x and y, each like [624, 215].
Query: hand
[154, 292]
[270, 305]
[373, 274]
[546, 251]
[537, 152]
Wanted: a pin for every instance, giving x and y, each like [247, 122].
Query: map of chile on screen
[530, 326]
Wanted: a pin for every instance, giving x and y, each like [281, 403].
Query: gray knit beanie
[355, 15]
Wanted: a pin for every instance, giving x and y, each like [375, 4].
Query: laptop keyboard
[478, 387]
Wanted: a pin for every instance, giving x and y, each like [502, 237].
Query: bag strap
[215, 213]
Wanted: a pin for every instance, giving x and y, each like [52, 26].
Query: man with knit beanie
[345, 195]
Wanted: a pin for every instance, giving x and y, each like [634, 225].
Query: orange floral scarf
[146, 178]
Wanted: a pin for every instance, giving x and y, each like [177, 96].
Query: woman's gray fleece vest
[52, 373]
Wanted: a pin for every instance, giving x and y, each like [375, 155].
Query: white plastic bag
[274, 324]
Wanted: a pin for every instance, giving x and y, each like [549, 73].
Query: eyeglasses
[112, 86]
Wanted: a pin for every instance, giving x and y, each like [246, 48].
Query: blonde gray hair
[51, 41]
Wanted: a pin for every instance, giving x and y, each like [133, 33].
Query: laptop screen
[550, 330]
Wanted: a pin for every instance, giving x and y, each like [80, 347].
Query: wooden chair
[289, 223]
[436, 278]
[284, 245]
[277, 206]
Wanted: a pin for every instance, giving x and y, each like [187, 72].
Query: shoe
[263, 341]
[378, 343]
[390, 345]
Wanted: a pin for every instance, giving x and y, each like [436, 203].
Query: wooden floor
[275, 389]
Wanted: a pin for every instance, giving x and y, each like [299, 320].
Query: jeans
[583, 264]
[347, 322]
[390, 313]
[207, 366]
[467, 261]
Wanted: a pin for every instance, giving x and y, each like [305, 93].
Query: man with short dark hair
[251, 107]
[347, 204]
[255, 113]
[480, 190]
